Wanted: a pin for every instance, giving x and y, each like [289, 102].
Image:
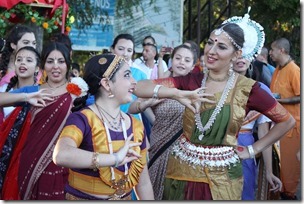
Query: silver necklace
[115, 124]
[56, 86]
[218, 80]
[218, 107]
[120, 184]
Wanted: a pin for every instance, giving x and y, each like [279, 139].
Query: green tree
[280, 18]
[88, 11]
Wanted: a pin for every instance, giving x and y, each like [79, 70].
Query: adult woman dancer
[96, 141]
[204, 163]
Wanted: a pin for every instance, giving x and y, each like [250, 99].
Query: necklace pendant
[201, 136]
[119, 192]
[119, 185]
[115, 197]
[117, 128]
[121, 182]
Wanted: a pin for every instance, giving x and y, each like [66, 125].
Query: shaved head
[282, 43]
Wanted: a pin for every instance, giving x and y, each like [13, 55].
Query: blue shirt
[271, 68]
[25, 89]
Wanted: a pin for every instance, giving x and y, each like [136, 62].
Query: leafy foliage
[86, 13]
[89, 11]
[280, 18]
[38, 16]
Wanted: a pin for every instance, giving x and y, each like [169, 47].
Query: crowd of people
[200, 126]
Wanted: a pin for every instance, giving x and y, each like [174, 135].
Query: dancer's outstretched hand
[39, 98]
[126, 153]
[193, 99]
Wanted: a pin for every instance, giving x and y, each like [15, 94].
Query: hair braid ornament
[253, 33]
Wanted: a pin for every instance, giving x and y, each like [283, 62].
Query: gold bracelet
[95, 161]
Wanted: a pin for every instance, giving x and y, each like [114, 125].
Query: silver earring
[111, 95]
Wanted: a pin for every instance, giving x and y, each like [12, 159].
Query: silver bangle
[155, 91]
[251, 153]
[25, 98]
[116, 160]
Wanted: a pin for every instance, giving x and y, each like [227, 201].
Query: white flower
[78, 87]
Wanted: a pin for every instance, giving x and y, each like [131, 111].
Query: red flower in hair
[73, 89]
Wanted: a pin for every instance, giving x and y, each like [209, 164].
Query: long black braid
[12, 83]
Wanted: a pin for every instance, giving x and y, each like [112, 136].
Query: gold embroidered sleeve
[278, 113]
[73, 132]
[167, 82]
